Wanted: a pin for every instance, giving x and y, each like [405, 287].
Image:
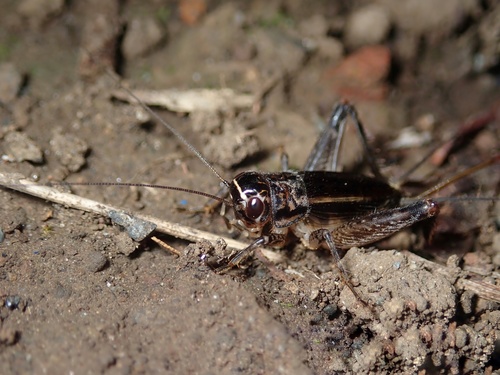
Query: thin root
[166, 246]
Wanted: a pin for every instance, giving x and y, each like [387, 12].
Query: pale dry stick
[187, 101]
[488, 291]
[18, 182]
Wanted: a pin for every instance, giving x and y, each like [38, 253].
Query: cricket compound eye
[255, 208]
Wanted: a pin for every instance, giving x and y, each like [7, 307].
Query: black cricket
[319, 206]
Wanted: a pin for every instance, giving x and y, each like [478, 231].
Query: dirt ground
[80, 297]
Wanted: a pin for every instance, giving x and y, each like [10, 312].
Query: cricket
[319, 206]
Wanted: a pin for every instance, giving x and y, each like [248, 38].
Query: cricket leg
[370, 228]
[241, 255]
[325, 153]
[284, 160]
[275, 239]
[327, 237]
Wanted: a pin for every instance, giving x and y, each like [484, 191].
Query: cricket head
[251, 196]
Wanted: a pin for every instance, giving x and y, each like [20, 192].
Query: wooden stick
[18, 182]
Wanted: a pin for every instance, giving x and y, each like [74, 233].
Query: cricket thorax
[289, 199]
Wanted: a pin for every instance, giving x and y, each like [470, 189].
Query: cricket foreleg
[276, 239]
[241, 255]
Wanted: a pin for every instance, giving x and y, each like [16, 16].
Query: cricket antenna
[178, 135]
[167, 125]
[493, 160]
[153, 186]
[174, 132]
[465, 199]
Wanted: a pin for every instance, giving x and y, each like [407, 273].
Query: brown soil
[79, 296]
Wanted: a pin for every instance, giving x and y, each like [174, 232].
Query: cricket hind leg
[373, 227]
[327, 237]
[325, 153]
[284, 160]
[370, 228]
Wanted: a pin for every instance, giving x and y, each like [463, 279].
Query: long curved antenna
[397, 182]
[174, 132]
[154, 186]
[465, 199]
[458, 176]
[471, 126]
[168, 126]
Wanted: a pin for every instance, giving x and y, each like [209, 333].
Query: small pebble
[461, 337]
[496, 246]
[316, 319]
[136, 228]
[70, 150]
[19, 147]
[424, 17]
[496, 259]
[96, 261]
[62, 291]
[143, 35]
[314, 26]
[13, 219]
[330, 311]
[466, 302]
[330, 48]
[368, 25]
[8, 335]
[10, 82]
[231, 148]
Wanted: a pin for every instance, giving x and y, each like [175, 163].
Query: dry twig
[20, 183]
